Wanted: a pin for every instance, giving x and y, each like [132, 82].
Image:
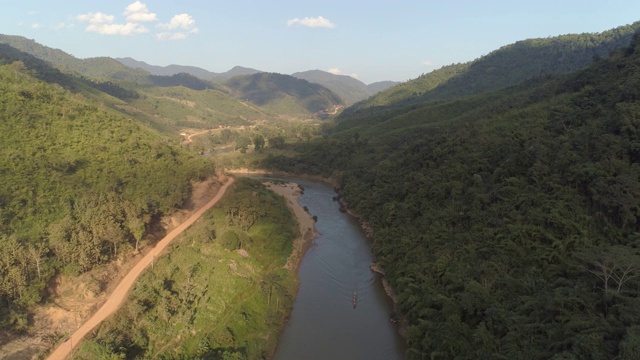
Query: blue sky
[372, 40]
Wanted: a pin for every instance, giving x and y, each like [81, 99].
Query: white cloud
[138, 12]
[96, 18]
[175, 35]
[36, 26]
[426, 63]
[179, 22]
[104, 24]
[179, 27]
[318, 22]
[118, 29]
[336, 71]
[182, 21]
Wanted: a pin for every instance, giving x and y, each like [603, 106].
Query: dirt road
[120, 293]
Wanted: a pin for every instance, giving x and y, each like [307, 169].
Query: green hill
[78, 84]
[79, 186]
[378, 86]
[170, 109]
[100, 68]
[507, 222]
[349, 89]
[166, 103]
[509, 65]
[283, 93]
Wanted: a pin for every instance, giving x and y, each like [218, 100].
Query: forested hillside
[101, 68]
[349, 89]
[283, 93]
[166, 103]
[509, 65]
[75, 83]
[507, 222]
[79, 186]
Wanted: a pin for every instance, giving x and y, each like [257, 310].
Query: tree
[242, 142]
[614, 266]
[37, 251]
[258, 142]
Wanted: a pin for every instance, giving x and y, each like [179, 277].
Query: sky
[371, 40]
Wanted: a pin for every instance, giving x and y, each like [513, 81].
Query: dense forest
[222, 291]
[80, 184]
[507, 222]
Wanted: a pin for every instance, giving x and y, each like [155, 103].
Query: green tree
[258, 142]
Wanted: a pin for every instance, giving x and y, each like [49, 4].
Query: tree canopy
[79, 184]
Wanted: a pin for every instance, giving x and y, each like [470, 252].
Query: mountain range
[192, 70]
[350, 89]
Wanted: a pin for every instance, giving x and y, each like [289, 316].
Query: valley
[500, 199]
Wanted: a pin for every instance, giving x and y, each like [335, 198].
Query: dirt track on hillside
[118, 296]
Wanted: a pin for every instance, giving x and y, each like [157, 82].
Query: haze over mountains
[192, 70]
[350, 89]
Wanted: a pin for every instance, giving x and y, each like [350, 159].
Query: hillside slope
[101, 68]
[509, 65]
[166, 103]
[283, 93]
[349, 89]
[508, 222]
[79, 186]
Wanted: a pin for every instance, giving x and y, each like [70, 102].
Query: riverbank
[245, 171]
[300, 249]
[377, 268]
[292, 192]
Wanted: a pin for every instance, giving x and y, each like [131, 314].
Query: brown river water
[324, 323]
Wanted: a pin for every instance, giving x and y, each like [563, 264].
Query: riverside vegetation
[221, 292]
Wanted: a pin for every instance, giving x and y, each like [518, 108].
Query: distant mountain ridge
[350, 89]
[198, 72]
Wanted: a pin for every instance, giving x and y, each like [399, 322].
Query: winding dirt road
[120, 293]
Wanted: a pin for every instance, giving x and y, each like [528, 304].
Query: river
[324, 324]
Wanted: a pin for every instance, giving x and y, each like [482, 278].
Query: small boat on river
[355, 298]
